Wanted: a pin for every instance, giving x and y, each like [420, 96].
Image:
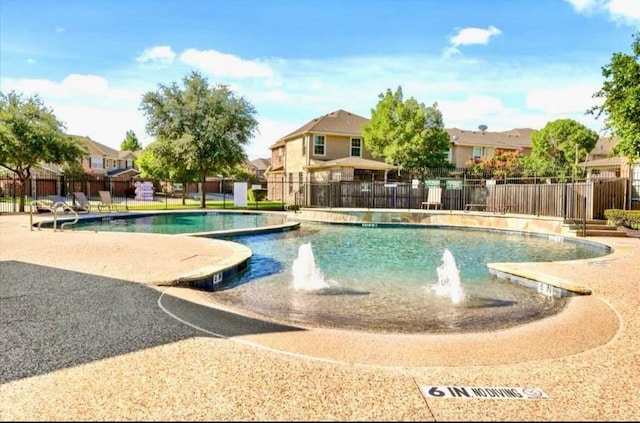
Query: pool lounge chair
[434, 198]
[61, 202]
[106, 202]
[82, 201]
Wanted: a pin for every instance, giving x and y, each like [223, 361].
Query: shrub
[626, 218]
[257, 194]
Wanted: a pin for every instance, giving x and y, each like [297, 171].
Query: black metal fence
[458, 189]
[580, 199]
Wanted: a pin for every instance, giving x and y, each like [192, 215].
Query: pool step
[593, 228]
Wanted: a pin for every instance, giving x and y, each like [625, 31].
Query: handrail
[54, 211]
[65, 207]
[34, 204]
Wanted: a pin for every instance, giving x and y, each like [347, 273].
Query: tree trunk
[203, 192]
[22, 193]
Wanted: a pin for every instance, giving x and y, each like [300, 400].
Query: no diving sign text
[476, 392]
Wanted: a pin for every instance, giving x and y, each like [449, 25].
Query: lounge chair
[47, 205]
[106, 202]
[82, 201]
[61, 201]
[434, 198]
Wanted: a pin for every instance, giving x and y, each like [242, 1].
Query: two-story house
[475, 145]
[330, 148]
[327, 148]
[102, 160]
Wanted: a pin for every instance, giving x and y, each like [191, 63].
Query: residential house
[327, 148]
[330, 148]
[476, 145]
[102, 160]
[258, 167]
[602, 163]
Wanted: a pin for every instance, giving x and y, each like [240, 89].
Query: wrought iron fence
[460, 189]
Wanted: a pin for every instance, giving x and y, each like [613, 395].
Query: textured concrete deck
[133, 349]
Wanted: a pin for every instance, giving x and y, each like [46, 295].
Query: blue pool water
[183, 222]
[385, 279]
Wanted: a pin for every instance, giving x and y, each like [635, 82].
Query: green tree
[163, 160]
[504, 163]
[559, 147]
[407, 134]
[130, 142]
[213, 121]
[31, 134]
[621, 105]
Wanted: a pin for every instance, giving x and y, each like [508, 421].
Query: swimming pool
[380, 278]
[386, 279]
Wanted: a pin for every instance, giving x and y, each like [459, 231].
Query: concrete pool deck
[219, 366]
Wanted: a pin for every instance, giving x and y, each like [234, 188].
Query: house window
[129, 164]
[97, 163]
[318, 145]
[477, 153]
[290, 183]
[356, 147]
[635, 181]
[304, 145]
[448, 153]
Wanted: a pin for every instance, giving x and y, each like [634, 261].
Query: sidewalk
[133, 349]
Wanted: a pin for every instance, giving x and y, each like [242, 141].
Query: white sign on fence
[239, 194]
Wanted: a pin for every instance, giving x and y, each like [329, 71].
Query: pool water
[384, 279]
[179, 223]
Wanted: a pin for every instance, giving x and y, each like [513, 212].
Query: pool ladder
[54, 211]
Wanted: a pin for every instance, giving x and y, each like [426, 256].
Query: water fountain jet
[306, 275]
[449, 279]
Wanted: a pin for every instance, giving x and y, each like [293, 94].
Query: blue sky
[502, 63]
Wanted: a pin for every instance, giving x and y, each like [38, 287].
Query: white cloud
[82, 87]
[158, 55]
[225, 65]
[575, 98]
[60, 29]
[468, 36]
[107, 126]
[270, 132]
[583, 5]
[31, 61]
[622, 11]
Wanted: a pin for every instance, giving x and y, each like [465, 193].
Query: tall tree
[164, 160]
[214, 121]
[130, 142]
[31, 134]
[407, 134]
[621, 105]
[559, 147]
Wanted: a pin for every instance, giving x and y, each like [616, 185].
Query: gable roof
[604, 146]
[337, 122]
[260, 164]
[511, 139]
[94, 148]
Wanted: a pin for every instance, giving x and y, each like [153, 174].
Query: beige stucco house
[330, 148]
[327, 148]
[102, 160]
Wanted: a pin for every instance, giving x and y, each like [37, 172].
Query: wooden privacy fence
[573, 200]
